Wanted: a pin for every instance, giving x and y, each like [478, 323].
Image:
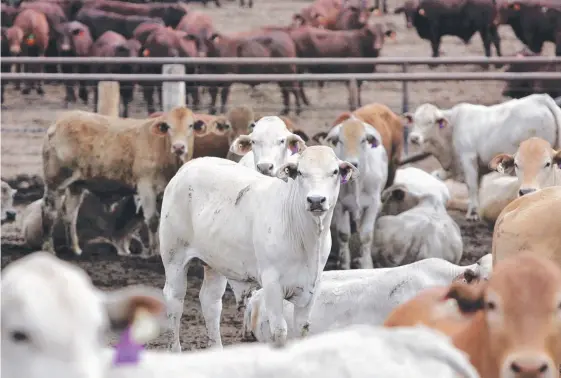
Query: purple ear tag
[127, 350]
[344, 175]
[441, 124]
[374, 143]
[293, 147]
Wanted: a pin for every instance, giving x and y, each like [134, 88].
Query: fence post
[405, 109]
[108, 98]
[173, 92]
[353, 94]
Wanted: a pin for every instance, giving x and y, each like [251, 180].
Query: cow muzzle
[15, 50]
[316, 204]
[529, 366]
[265, 168]
[415, 138]
[179, 149]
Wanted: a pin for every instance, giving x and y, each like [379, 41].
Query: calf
[268, 146]
[509, 326]
[362, 43]
[84, 151]
[371, 294]
[533, 22]
[519, 227]
[54, 303]
[166, 42]
[74, 40]
[33, 38]
[8, 212]
[111, 44]
[170, 14]
[201, 209]
[432, 232]
[464, 149]
[99, 22]
[536, 165]
[433, 19]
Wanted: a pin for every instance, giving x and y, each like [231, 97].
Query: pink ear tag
[127, 350]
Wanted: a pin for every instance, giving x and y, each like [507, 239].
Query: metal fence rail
[296, 61]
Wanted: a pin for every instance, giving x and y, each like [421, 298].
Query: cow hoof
[25, 91]
[40, 92]
[472, 216]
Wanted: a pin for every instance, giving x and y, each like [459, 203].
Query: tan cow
[536, 164]
[509, 326]
[530, 223]
[389, 126]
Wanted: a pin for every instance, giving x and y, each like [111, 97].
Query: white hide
[363, 296]
[54, 321]
[32, 224]
[8, 211]
[355, 352]
[269, 145]
[466, 137]
[415, 225]
[421, 182]
[497, 191]
[360, 201]
[250, 229]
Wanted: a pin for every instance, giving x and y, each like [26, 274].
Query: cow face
[353, 140]
[14, 36]
[410, 9]
[180, 127]
[272, 144]
[318, 174]
[535, 164]
[73, 39]
[8, 212]
[54, 321]
[519, 313]
[396, 199]
[432, 131]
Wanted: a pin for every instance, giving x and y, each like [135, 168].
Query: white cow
[364, 296]
[414, 223]
[355, 352]
[54, 320]
[466, 137]
[360, 144]
[419, 181]
[268, 147]
[8, 212]
[250, 228]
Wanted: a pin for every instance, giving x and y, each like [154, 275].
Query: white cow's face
[8, 212]
[318, 174]
[54, 321]
[431, 131]
[272, 144]
[352, 140]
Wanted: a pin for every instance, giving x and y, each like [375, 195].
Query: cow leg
[294, 89]
[194, 90]
[343, 225]
[213, 92]
[366, 231]
[127, 91]
[176, 260]
[74, 197]
[83, 85]
[301, 317]
[51, 208]
[217, 2]
[147, 194]
[302, 93]
[486, 38]
[496, 40]
[224, 96]
[17, 69]
[250, 4]
[558, 43]
[359, 92]
[212, 290]
[435, 43]
[27, 85]
[69, 85]
[38, 68]
[274, 296]
[470, 165]
[285, 99]
[148, 92]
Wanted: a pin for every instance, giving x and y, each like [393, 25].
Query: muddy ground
[24, 120]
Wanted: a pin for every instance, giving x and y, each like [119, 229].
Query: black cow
[533, 22]
[461, 18]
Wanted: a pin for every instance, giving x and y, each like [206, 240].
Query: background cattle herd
[367, 242]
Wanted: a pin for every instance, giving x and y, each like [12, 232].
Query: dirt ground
[24, 120]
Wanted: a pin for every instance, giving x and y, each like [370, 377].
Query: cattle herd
[263, 205]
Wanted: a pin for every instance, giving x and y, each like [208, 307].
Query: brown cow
[509, 326]
[536, 164]
[73, 39]
[143, 31]
[319, 14]
[197, 23]
[530, 223]
[35, 30]
[389, 126]
[12, 39]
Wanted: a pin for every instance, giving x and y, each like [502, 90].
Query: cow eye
[336, 172]
[281, 141]
[490, 305]
[163, 127]
[19, 336]
[548, 164]
[515, 165]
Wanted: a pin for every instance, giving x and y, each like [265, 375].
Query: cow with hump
[465, 138]
[510, 326]
[250, 229]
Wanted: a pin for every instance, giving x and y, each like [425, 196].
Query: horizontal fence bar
[295, 61]
[393, 76]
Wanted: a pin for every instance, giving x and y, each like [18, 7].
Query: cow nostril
[525, 191]
[532, 367]
[515, 368]
[543, 368]
[316, 200]
[264, 167]
[178, 149]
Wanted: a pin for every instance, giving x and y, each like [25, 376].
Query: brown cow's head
[517, 319]
[73, 39]
[535, 164]
[14, 35]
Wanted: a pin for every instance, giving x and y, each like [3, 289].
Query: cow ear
[348, 172]
[408, 117]
[241, 145]
[295, 144]
[372, 140]
[469, 296]
[557, 158]
[503, 163]
[396, 193]
[288, 170]
[441, 123]
[137, 308]
[190, 37]
[302, 135]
